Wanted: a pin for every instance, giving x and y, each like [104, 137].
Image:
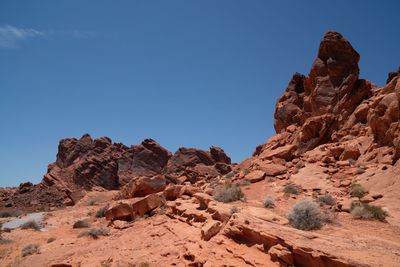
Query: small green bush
[81, 224]
[51, 239]
[366, 211]
[144, 264]
[100, 212]
[30, 224]
[95, 232]
[357, 190]
[228, 194]
[245, 172]
[30, 249]
[291, 189]
[326, 200]
[269, 202]
[305, 215]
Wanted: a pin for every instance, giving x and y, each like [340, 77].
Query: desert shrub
[291, 189]
[13, 213]
[144, 264]
[30, 249]
[234, 210]
[357, 190]
[51, 239]
[269, 202]
[366, 211]
[305, 215]
[231, 174]
[95, 232]
[326, 200]
[91, 202]
[228, 194]
[270, 179]
[81, 224]
[100, 212]
[360, 171]
[360, 212]
[245, 172]
[30, 224]
[213, 184]
[328, 216]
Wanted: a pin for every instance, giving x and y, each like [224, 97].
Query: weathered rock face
[333, 76]
[197, 164]
[321, 103]
[85, 164]
[289, 108]
[332, 103]
[384, 117]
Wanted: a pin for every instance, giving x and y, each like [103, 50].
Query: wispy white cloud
[11, 36]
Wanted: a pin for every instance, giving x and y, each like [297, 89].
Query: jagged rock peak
[322, 102]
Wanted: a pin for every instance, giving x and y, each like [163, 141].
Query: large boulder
[146, 186]
[145, 205]
[127, 210]
[121, 210]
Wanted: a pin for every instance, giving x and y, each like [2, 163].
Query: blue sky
[185, 73]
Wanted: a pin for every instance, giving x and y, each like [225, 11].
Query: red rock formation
[195, 164]
[85, 164]
[332, 103]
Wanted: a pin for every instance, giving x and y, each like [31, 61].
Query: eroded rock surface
[85, 164]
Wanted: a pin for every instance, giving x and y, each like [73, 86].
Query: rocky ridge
[84, 165]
